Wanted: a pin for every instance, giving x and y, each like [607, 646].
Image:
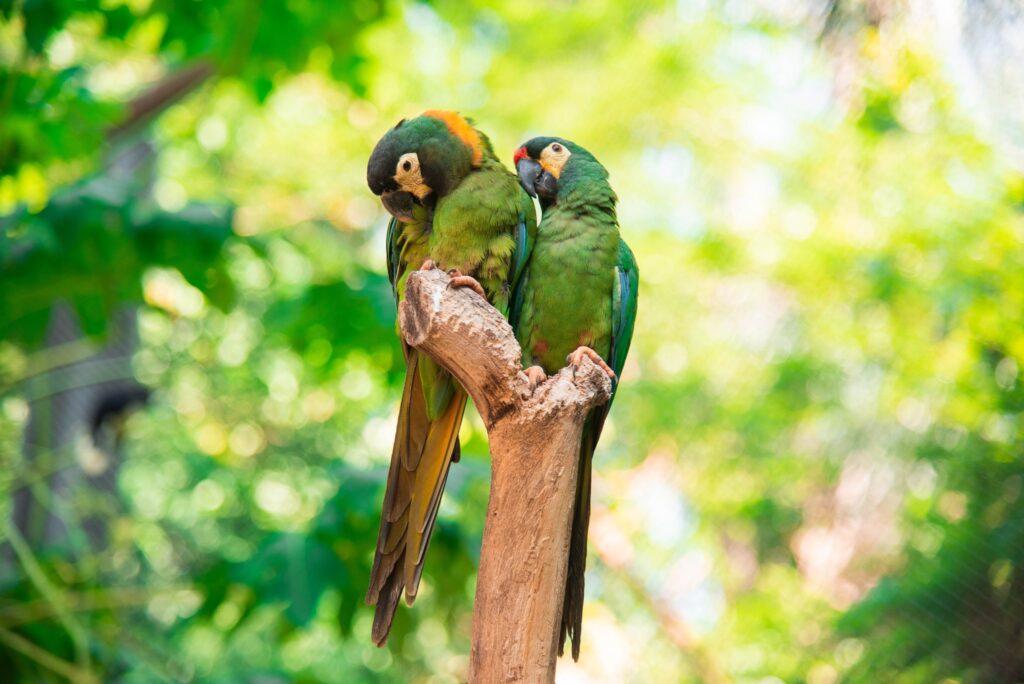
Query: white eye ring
[408, 163]
[556, 148]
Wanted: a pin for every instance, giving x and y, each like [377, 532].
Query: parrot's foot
[576, 358]
[459, 280]
[428, 265]
[536, 376]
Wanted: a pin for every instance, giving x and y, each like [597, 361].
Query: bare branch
[534, 442]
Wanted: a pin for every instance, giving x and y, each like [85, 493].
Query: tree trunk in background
[71, 450]
[81, 393]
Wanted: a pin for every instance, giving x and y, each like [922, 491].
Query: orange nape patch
[461, 129]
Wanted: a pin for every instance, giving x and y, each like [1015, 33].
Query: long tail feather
[422, 453]
[441, 444]
[387, 601]
[572, 606]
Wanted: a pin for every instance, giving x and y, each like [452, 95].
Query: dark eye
[556, 148]
[406, 165]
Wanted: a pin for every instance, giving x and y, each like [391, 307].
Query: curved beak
[546, 186]
[528, 171]
[399, 204]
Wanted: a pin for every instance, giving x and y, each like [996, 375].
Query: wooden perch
[534, 441]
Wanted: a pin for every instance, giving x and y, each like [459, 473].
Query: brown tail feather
[412, 425]
[387, 602]
[412, 497]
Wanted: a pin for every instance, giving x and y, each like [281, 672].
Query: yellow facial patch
[409, 177]
[553, 158]
[461, 129]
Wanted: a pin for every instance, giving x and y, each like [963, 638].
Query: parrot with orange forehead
[454, 206]
[577, 298]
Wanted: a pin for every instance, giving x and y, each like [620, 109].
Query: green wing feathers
[624, 307]
[394, 256]
[624, 304]
[526, 232]
[438, 386]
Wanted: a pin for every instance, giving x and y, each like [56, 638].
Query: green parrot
[577, 298]
[454, 206]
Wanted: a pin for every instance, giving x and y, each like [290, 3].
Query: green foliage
[812, 471]
[53, 96]
[66, 250]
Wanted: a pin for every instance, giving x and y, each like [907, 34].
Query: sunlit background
[812, 472]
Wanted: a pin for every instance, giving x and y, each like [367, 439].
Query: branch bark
[534, 441]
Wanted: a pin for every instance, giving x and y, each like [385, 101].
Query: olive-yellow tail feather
[420, 459]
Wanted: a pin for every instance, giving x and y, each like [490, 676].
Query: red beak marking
[520, 154]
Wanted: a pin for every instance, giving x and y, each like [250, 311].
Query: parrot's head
[548, 167]
[421, 160]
